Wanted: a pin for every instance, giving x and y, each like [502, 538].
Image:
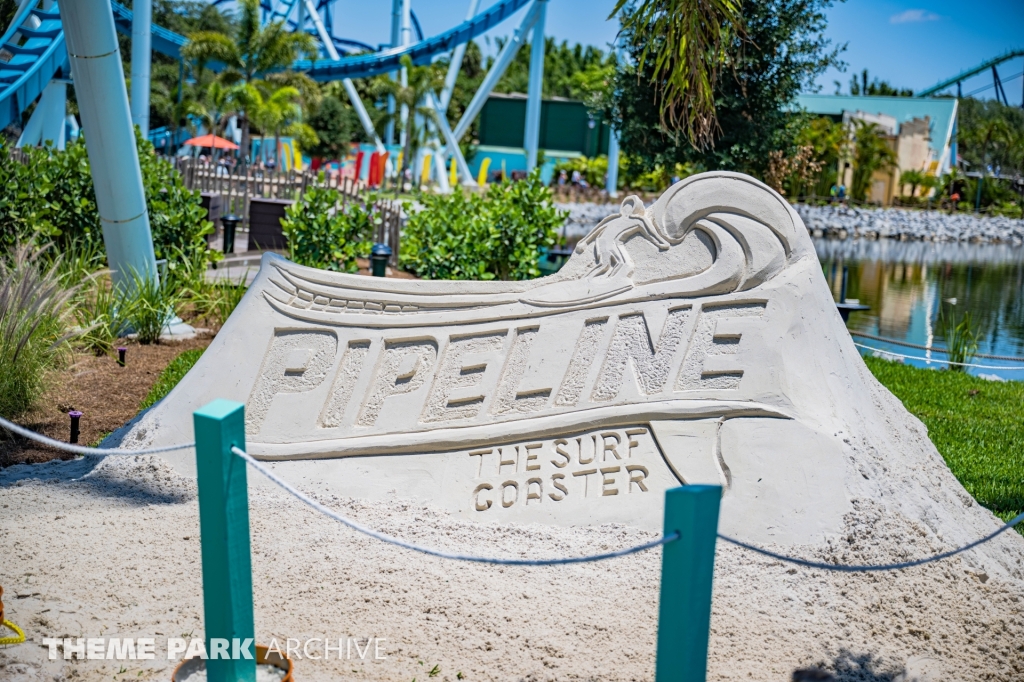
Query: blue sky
[910, 44]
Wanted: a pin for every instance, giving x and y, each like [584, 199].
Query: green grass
[171, 375]
[977, 426]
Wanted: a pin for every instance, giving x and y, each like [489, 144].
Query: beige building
[922, 132]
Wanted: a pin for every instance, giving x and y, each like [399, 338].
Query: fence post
[224, 539]
[687, 569]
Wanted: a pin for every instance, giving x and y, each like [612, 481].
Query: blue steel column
[497, 70]
[535, 88]
[612, 185]
[456, 63]
[110, 141]
[142, 23]
[396, 29]
[406, 37]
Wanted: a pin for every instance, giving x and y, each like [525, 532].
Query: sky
[910, 44]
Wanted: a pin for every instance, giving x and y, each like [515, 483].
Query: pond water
[909, 284]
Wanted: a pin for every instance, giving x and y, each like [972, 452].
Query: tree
[252, 52]
[334, 124]
[911, 177]
[871, 152]
[280, 112]
[991, 134]
[680, 46]
[875, 88]
[828, 140]
[783, 49]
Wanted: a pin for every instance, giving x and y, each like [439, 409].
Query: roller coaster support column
[456, 63]
[396, 30]
[505, 57]
[535, 88]
[612, 183]
[406, 38]
[49, 119]
[350, 88]
[113, 156]
[452, 145]
[142, 25]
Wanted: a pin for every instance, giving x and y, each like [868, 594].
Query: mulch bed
[106, 394]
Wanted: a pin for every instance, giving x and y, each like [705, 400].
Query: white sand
[110, 549]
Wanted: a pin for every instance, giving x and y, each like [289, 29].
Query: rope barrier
[671, 537]
[436, 552]
[947, 362]
[907, 344]
[632, 550]
[81, 449]
[19, 634]
[844, 568]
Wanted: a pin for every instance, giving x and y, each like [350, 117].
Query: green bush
[323, 234]
[496, 236]
[34, 326]
[50, 197]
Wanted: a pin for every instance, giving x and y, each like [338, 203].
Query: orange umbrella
[211, 141]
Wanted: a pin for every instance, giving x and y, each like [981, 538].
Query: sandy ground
[110, 547]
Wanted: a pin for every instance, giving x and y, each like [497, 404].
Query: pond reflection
[908, 285]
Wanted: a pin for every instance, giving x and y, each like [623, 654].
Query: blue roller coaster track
[32, 51]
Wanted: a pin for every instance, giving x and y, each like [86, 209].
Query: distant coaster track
[32, 51]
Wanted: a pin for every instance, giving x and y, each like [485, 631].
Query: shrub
[50, 197]
[323, 234]
[500, 235]
[961, 339]
[146, 305]
[99, 314]
[34, 316]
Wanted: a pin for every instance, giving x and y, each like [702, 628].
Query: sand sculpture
[694, 341]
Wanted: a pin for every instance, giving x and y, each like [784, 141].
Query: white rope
[436, 552]
[947, 362]
[598, 557]
[83, 450]
[872, 567]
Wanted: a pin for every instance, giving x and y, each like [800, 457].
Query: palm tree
[692, 38]
[913, 178]
[871, 152]
[281, 112]
[423, 81]
[252, 52]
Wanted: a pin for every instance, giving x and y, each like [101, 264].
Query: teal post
[224, 533]
[687, 569]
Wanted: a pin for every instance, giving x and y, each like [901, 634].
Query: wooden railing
[239, 187]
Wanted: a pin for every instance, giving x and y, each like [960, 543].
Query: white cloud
[913, 16]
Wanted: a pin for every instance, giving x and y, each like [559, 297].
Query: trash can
[380, 254]
[230, 222]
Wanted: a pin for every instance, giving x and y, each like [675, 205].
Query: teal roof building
[941, 114]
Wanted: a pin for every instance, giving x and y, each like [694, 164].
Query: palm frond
[687, 41]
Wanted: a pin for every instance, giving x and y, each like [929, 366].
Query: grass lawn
[977, 426]
[172, 374]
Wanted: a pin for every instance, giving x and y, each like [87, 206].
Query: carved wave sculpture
[691, 341]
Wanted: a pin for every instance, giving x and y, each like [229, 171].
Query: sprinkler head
[121, 350]
[75, 417]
